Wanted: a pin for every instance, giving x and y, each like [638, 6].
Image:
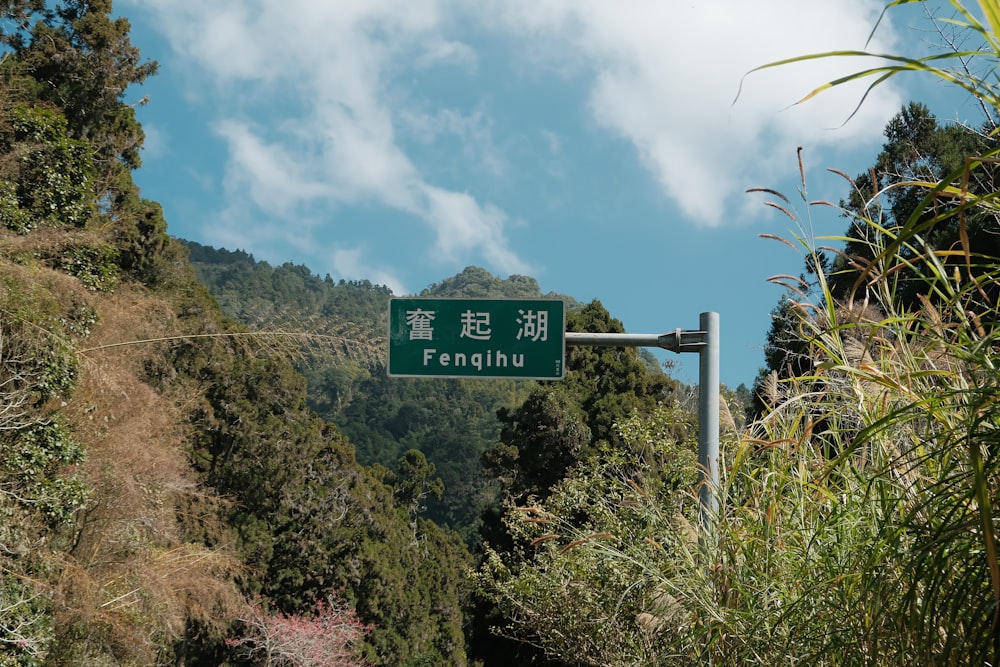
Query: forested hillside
[451, 423]
[462, 448]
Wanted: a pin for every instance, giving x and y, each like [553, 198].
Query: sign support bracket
[704, 341]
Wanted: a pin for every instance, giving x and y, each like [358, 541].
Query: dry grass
[133, 576]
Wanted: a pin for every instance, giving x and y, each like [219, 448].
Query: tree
[561, 423]
[15, 19]
[919, 150]
[476, 282]
[83, 62]
[309, 520]
[589, 580]
[327, 637]
[47, 177]
[415, 480]
[559, 428]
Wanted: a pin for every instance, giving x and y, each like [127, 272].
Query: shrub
[326, 637]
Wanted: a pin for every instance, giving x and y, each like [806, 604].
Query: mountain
[451, 422]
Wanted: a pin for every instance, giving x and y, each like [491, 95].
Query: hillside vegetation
[452, 423]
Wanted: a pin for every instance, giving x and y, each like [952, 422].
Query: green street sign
[477, 338]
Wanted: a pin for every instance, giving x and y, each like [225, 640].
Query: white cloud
[462, 222]
[664, 76]
[273, 177]
[326, 69]
[448, 52]
[661, 75]
[351, 262]
[473, 131]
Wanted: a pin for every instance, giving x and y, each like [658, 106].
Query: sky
[604, 148]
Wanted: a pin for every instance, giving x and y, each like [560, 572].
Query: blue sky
[593, 145]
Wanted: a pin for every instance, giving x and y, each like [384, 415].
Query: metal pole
[708, 421]
[706, 343]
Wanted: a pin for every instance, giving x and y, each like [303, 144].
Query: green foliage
[79, 320]
[145, 251]
[560, 430]
[39, 493]
[562, 423]
[26, 632]
[432, 434]
[610, 383]
[311, 521]
[42, 449]
[333, 388]
[476, 282]
[855, 500]
[858, 528]
[16, 15]
[71, 142]
[12, 216]
[919, 151]
[96, 266]
[784, 354]
[857, 520]
[39, 320]
[452, 422]
[258, 294]
[87, 63]
[542, 440]
[739, 404]
[33, 461]
[589, 579]
[50, 182]
[52, 372]
[415, 480]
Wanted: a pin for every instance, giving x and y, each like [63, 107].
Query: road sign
[477, 338]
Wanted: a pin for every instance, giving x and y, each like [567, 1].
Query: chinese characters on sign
[477, 338]
[419, 322]
[533, 325]
[476, 325]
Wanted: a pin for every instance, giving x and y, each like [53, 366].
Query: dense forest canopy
[453, 423]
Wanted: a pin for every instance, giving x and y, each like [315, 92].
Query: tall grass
[860, 508]
[856, 521]
[924, 393]
[858, 516]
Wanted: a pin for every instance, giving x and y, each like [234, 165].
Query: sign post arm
[706, 343]
[455, 338]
